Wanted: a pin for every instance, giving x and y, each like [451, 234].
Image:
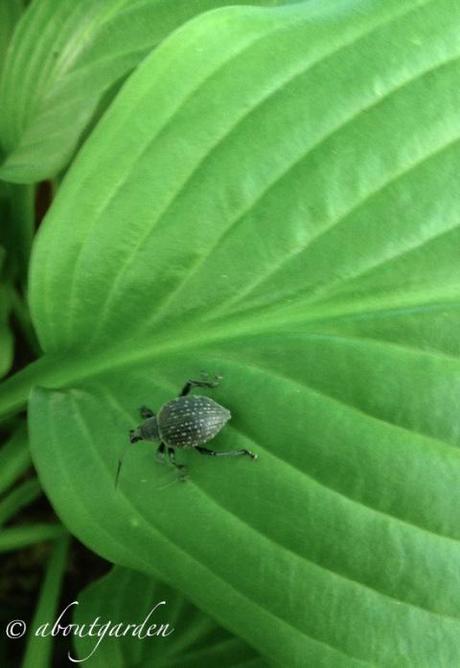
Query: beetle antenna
[167, 484]
[173, 481]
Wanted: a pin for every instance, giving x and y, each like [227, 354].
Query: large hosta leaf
[272, 196]
[191, 639]
[65, 57]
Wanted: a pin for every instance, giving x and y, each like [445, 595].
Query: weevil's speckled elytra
[185, 422]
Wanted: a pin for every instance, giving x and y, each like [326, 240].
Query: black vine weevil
[185, 422]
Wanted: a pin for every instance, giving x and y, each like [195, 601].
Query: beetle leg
[160, 455]
[204, 382]
[226, 453]
[182, 470]
[146, 412]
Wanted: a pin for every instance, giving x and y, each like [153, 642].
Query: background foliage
[195, 641]
[270, 194]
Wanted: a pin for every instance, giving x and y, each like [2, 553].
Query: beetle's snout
[134, 435]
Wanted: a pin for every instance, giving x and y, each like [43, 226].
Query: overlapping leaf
[65, 58]
[293, 225]
[186, 638]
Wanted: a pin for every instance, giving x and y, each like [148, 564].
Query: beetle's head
[147, 431]
[135, 435]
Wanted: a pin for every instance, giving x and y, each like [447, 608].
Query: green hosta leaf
[65, 56]
[191, 639]
[271, 196]
[10, 11]
[22, 535]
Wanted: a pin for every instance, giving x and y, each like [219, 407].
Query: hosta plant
[269, 195]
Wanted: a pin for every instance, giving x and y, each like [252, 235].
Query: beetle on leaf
[185, 422]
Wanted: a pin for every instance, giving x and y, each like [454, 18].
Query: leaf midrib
[66, 367]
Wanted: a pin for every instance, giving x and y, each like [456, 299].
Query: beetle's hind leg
[146, 412]
[205, 381]
[162, 450]
[181, 469]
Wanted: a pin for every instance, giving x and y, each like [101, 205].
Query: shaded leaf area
[39, 649]
[15, 458]
[294, 228]
[6, 337]
[17, 227]
[16, 233]
[190, 638]
[64, 58]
